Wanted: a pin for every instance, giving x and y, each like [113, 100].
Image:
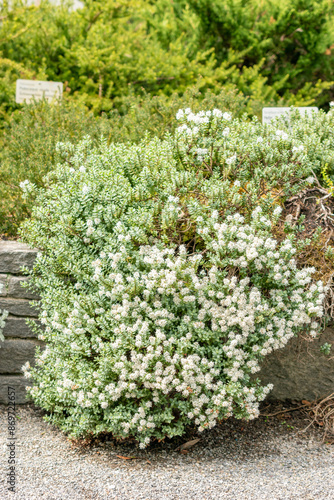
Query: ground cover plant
[163, 284]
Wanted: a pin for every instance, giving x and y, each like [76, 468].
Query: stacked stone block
[20, 342]
[300, 371]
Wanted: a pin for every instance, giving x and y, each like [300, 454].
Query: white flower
[283, 135]
[179, 114]
[231, 160]
[24, 184]
[85, 189]
[277, 211]
[217, 113]
[202, 152]
[227, 116]
[296, 149]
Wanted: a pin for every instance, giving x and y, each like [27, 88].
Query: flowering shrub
[162, 286]
[315, 134]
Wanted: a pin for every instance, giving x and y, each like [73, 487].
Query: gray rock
[16, 290]
[14, 353]
[17, 327]
[19, 383]
[4, 283]
[18, 307]
[14, 255]
[300, 370]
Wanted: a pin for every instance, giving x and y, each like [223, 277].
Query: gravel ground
[270, 458]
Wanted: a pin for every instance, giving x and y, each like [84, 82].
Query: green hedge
[272, 51]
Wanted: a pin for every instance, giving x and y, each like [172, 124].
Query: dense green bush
[162, 286]
[292, 40]
[317, 136]
[29, 151]
[272, 51]
[28, 146]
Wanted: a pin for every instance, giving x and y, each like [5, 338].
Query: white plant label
[28, 90]
[269, 114]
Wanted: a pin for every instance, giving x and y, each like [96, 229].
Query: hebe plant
[162, 285]
[316, 134]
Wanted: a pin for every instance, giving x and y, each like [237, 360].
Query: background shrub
[272, 51]
[134, 63]
[28, 146]
[159, 298]
[28, 151]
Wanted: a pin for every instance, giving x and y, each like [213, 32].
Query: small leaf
[188, 444]
[126, 458]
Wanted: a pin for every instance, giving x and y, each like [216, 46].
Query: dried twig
[284, 411]
[322, 414]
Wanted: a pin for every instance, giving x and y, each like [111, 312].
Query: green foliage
[29, 139]
[29, 142]
[317, 136]
[159, 299]
[29, 151]
[291, 40]
[326, 348]
[137, 115]
[274, 52]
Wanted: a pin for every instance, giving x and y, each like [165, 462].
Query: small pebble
[234, 461]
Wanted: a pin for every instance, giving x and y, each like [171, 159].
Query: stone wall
[20, 342]
[298, 372]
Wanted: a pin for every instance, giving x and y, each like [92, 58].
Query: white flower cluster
[27, 187]
[176, 343]
[204, 138]
[202, 116]
[280, 134]
[145, 336]
[192, 122]
[171, 211]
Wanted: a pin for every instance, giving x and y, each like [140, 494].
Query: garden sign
[29, 90]
[269, 114]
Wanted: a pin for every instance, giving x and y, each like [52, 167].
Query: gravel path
[263, 459]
